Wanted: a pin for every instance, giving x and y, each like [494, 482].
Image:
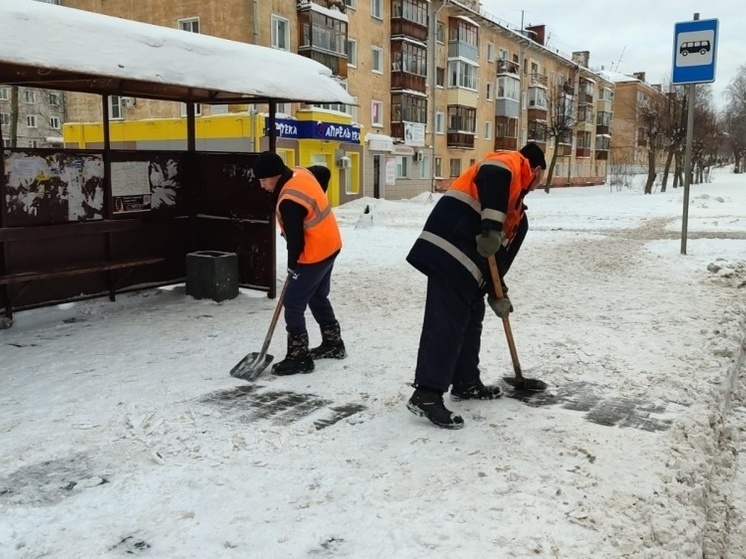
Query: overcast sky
[634, 35]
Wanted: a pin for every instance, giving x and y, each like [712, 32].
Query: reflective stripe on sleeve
[494, 215]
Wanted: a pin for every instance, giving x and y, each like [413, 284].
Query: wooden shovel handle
[497, 283]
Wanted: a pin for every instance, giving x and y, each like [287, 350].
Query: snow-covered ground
[122, 433]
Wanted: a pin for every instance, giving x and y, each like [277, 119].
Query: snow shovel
[519, 382]
[254, 364]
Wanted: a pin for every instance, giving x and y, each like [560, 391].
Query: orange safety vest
[520, 171]
[320, 230]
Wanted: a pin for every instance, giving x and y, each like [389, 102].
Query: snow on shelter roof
[45, 45]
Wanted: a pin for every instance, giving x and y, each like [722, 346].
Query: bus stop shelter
[64, 232]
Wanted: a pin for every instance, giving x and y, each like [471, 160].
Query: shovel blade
[530, 384]
[251, 366]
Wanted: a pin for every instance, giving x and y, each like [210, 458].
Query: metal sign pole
[687, 163]
[688, 160]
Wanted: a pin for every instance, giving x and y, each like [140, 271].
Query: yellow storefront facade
[312, 137]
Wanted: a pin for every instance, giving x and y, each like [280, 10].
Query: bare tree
[562, 117]
[673, 126]
[14, 116]
[735, 118]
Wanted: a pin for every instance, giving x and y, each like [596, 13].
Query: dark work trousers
[452, 328]
[309, 289]
[451, 336]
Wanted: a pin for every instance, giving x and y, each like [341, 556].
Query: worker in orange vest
[313, 239]
[482, 214]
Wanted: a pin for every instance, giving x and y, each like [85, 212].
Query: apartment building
[38, 113]
[438, 85]
[633, 97]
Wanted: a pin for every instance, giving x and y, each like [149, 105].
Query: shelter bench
[27, 277]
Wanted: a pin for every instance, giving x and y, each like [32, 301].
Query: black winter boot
[332, 346]
[476, 391]
[429, 404]
[298, 359]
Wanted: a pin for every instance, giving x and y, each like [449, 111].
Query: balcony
[564, 150]
[405, 80]
[602, 155]
[601, 129]
[582, 152]
[403, 27]
[506, 143]
[460, 140]
[538, 79]
[507, 67]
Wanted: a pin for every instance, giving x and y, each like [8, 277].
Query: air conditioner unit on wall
[344, 162]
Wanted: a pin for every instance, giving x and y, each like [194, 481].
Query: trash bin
[212, 274]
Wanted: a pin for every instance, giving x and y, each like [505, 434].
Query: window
[440, 119]
[407, 107]
[410, 58]
[603, 118]
[29, 96]
[115, 107]
[197, 109]
[376, 9]
[351, 4]
[402, 167]
[438, 167]
[455, 167]
[584, 140]
[33, 144]
[462, 119]
[537, 97]
[54, 99]
[54, 122]
[440, 77]
[537, 131]
[352, 53]
[280, 33]
[490, 52]
[376, 60]
[31, 121]
[461, 74]
[503, 54]
[5, 119]
[490, 93]
[6, 142]
[190, 24]
[376, 113]
[507, 87]
[440, 32]
[488, 130]
[424, 168]
[4, 93]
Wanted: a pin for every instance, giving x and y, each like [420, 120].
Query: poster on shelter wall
[43, 187]
[145, 185]
[130, 186]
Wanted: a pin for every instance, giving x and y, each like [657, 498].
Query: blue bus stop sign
[694, 51]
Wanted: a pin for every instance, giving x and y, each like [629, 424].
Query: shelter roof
[54, 47]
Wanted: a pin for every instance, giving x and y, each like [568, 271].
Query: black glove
[489, 242]
[501, 307]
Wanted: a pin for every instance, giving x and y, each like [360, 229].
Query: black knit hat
[322, 175]
[535, 155]
[268, 164]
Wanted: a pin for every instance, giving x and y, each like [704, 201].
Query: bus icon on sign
[701, 47]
